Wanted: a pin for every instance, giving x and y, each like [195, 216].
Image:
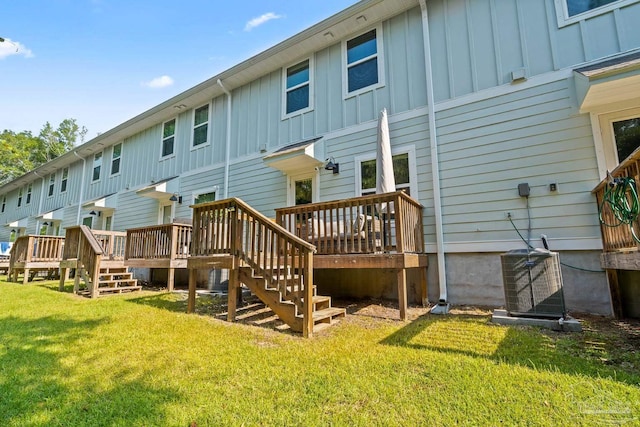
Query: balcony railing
[618, 229]
[379, 223]
[166, 241]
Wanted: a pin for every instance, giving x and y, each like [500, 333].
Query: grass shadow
[475, 336]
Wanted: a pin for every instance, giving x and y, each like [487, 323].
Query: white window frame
[193, 126]
[20, 193]
[161, 207]
[562, 12]
[286, 90]
[602, 126]
[410, 150]
[119, 158]
[64, 180]
[199, 192]
[29, 194]
[94, 165]
[51, 188]
[162, 138]
[345, 66]
[314, 175]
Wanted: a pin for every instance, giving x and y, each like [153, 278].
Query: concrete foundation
[567, 324]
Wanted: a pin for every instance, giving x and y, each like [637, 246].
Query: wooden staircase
[116, 280]
[289, 306]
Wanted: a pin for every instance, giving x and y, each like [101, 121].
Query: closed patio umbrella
[385, 181]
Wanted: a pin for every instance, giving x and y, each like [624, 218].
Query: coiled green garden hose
[621, 196]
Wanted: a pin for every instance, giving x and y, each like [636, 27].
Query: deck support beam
[232, 294]
[401, 274]
[171, 274]
[191, 301]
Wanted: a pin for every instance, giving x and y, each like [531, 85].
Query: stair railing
[82, 245]
[286, 262]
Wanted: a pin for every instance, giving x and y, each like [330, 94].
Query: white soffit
[161, 190]
[21, 223]
[607, 83]
[56, 215]
[104, 204]
[304, 155]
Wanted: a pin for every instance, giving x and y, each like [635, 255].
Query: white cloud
[256, 22]
[159, 82]
[9, 47]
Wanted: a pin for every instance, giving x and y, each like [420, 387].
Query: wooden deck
[159, 246]
[32, 254]
[620, 246]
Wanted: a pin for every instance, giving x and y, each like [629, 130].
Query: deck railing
[83, 246]
[617, 236]
[113, 243]
[34, 248]
[378, 223]
[234, 228]
[166, 241]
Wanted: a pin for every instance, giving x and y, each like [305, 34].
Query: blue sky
[103, 62]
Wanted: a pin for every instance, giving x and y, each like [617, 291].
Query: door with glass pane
[620, 135]
[301, 189]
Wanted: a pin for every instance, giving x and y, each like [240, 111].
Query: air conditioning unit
[533, 283]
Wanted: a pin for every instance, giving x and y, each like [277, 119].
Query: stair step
[328, 315]
[120, 289]
[114, 282]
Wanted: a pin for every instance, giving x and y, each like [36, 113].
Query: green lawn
[139, 360]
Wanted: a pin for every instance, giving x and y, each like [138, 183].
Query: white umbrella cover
[385, 181]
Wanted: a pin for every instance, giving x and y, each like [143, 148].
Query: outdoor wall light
[94, 213]
[332, 165]
[175, 198]
[45, 224]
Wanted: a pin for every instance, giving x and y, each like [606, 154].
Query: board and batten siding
[489, 147]
[257, 107]
[476, 44]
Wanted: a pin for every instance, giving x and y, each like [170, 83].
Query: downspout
[228, 149]
[443, 306]
[41, 199]
[84, 164]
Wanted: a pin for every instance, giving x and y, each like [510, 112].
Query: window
[205, 197]
[52, 182]
[29, 188]
[620, 136]
[4, 203]
[97, 164]
[115, 159]
[168, 136]
[363, 61]
[404, 172]
[20, 197]
[570, 11]
[200, 125]
[65, 178]
[298, 88]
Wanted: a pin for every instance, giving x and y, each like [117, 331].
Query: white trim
[605, 139]
[572, 244]
[299, 176]
[162, 138]
[51, 184]
[161, 206]
[113, 147]
[192, 126]
[380, 59]
[310, 83]
[93, 166]
[598, 143]
[564, 19]
[62, 179]
[195, 193]
[409, 149]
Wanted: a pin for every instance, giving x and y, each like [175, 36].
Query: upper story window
[52, 183]
[363, 62]
[200, 125]
[115, 159]
[404, 172]
[4, 203]
[97, 165]
[29, 188]
[168, 137]
[65, 178]
[20, 197]
[298, 89]
[570, 11]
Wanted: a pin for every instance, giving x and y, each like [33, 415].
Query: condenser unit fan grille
[533, 283]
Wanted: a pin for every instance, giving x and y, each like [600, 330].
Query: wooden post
[307, 280]
[423, 286]
[170, 278]
[25, 278]
[95, 277]
[64, 275]
[232, 292]
[614, 289]
[191, 301]
[402, 292]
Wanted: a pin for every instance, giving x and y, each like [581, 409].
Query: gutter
[84, 164]
[228, 148]
[443, 306]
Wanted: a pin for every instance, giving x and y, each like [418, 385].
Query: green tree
[22, 152]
